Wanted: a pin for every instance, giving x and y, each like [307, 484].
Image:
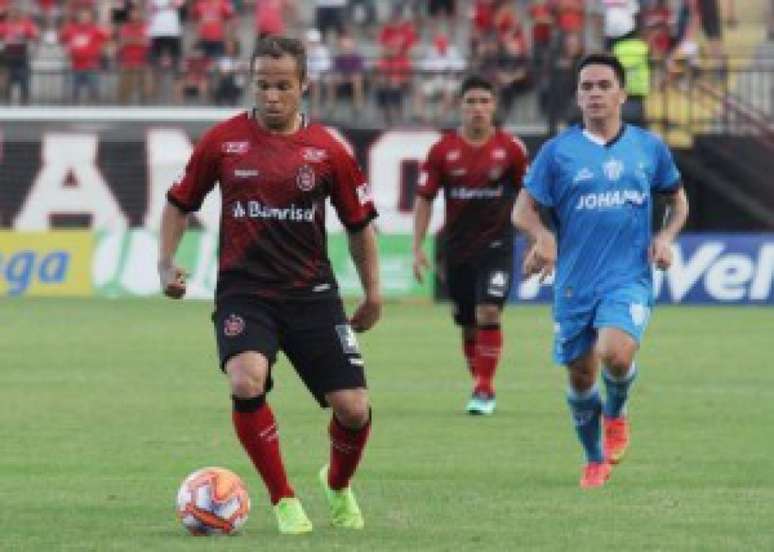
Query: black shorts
[314, 335]
[485, 280]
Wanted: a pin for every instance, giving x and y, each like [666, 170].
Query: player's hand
[541, 257]
[660, 252]
[420, 264]
[366, 314]
[172, 280]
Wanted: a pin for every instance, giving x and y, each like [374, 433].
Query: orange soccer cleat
[595, 474]
[616, 438]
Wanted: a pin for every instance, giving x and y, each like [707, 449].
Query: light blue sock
[586, 410]
[617, 391]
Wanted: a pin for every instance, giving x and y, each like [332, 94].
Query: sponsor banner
[45, 263]
[125, 264]
[395, 267]
[707, 269]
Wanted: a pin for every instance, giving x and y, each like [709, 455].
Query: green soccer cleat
[291, 518]
[345, 512]
[481, 405]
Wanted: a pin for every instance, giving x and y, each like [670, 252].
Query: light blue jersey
[600, 196]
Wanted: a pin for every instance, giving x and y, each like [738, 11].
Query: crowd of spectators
[405, 57]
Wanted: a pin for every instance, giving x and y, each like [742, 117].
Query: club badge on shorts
[305, 178]
[233, 325]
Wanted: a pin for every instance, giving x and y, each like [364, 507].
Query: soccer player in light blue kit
[597, 183]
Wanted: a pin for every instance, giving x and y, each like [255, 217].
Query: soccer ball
[212, 501]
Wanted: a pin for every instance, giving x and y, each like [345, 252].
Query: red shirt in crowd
[541, 23]
[399, 35]
[16, 34]
[84, 43]
[133, 52]
[569, 15]
[268, 17]
[212, 16]
[396, 69]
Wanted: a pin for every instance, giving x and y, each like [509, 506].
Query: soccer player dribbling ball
[479, 167]
[276, 289]
[597, 181]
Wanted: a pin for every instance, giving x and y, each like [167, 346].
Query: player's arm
[422, 213]
[364, 252]
[173, 224]
[526, 217]
[675, 217]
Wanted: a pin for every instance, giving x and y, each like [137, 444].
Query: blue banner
[706, 269]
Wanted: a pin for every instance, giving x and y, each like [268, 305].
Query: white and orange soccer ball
[213, 501]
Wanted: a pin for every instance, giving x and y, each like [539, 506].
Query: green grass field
[106, 405]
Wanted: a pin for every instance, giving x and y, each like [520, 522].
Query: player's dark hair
[278, 46]
[602, 58]
[476, 82]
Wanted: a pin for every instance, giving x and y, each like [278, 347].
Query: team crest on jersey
[305, 178]
[613, 169]
[498, 154]
[233, 325]
[237, 148]
[314, 155]
[452, 155]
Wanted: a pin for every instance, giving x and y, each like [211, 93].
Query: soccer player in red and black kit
[480, 169]
[276, 289]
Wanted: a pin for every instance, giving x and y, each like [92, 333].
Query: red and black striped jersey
[273, 188]
[480, 184]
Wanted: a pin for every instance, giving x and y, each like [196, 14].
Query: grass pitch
[106, 405]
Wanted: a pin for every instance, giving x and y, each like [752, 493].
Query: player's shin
[347, 447]
[257, 431]
[489, 344]
[586, 410]
[617, 391]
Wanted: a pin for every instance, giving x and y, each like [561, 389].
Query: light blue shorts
[627, 308]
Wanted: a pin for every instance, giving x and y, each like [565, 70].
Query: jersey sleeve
[199, 177]
[430, 174]
[520, 161]
[539, 180]
[666, 175]
[350, 192]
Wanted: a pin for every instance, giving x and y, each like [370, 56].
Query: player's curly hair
[278, 46]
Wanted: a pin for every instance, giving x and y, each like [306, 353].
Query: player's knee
[247, 375]
[352, 409]
[616, 360]
[581, 380]
[487, 315]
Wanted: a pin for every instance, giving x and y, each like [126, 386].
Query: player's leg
[493, 282]
[621, 320]
[324, 351]
[489, 342]
[468, 335]
[574, 347]
[247, 345]
[616, 348]
[462, 292]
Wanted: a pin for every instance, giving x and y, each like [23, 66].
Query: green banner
[124, 264]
